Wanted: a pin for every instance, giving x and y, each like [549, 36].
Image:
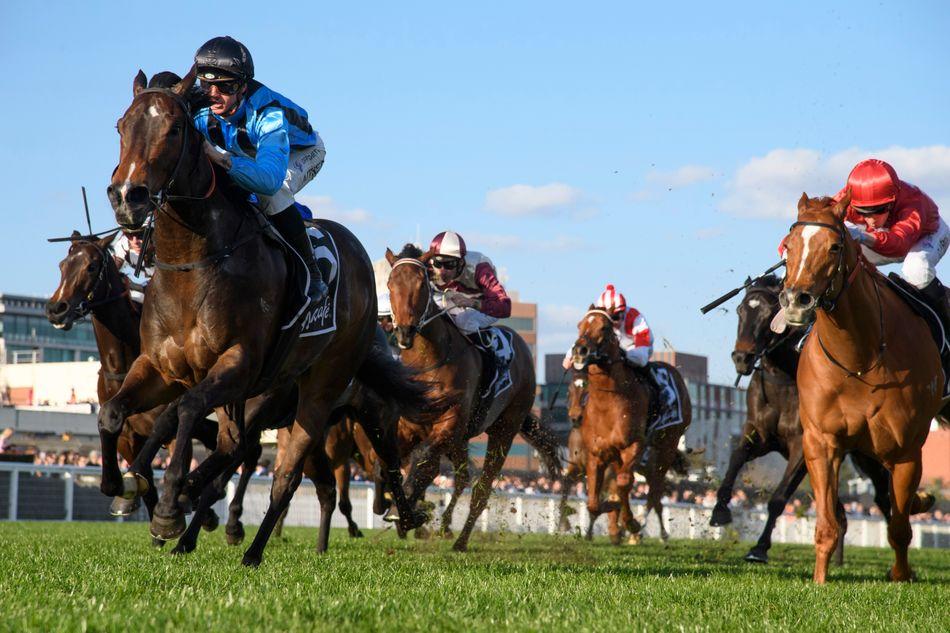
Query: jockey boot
[291, 227]
[937, 297]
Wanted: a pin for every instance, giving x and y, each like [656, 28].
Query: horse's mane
[410, 251]
[769, 282]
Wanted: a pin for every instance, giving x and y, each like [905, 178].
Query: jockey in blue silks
[262, 139]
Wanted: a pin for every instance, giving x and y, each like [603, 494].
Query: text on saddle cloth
[670, 410]
[320, 318]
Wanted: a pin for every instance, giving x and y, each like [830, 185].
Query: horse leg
[234, 530]
[595, 481]
[142, 389]
[129, 444]
[721, 514]
[879, 476]
[224, 383]
[567, 483]
[842, 517]
[823, 462]
[459, 458]
[318, 470]
[904, 481]
[306, 433]
[212, 492]
[499, 443]
[630, 457]
[791, 479]
[342, 475]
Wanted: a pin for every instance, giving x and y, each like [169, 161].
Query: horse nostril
[57, 309]
[804, 299]
[137, 195]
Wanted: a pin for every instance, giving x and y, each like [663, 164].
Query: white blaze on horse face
[807, 233]
[754, 303]
[152, 111]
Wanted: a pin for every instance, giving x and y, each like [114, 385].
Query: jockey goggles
[224, 87]
[878, 210]
[450, 263]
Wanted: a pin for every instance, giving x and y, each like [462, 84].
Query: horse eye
[175, 131]
[836, 247]
[90, 268]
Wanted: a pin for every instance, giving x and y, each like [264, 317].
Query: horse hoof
[157, 543]
[721, 516]
[234, 535]
[357, 534]
[122, 507]
[890, 576]
[460, 546]
[251, 561]
[211, 522]
[756, 557]
[182, 548]
[133, 485]
[615, 539]
[446, 533]
[925, 502]
[167, 528]
[635, 539]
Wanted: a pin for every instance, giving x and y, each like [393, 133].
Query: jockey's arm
[902, 235]
[265, 173]
[636, 339]
[495, 301]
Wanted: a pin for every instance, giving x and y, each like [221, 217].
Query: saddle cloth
[669, 409]
[498, 351]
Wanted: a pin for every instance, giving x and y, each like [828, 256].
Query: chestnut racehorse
[91, 284]
[772, 422]
[869, 378]
[614, 427]
[433, 346]
[214, 311]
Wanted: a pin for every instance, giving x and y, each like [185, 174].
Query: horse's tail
[544, 442]
[391, 380]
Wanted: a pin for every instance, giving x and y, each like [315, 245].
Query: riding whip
[85, 203]
[146, 239]
[557, 391]
[729, 295]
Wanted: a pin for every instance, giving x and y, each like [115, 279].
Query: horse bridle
[596, 355]
[159, 198]
[426, 316]
[829, 305]
[88, 304]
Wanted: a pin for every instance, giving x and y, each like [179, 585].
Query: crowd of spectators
[681, 492]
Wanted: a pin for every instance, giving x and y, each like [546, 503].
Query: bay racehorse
[433, 346]
[772, 422]
[91, 284]
[869, 378]
[216, 308]
[615, 427]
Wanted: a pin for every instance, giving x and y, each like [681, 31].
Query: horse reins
[829, 305]
[89, 303]
[598, 357]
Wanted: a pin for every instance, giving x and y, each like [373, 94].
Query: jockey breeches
[920, 264]
[303, 165]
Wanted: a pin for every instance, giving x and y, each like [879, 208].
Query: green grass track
[107, 577]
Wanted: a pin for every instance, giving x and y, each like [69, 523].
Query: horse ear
[390, 257]
[803, 202]
[592, 306]
[105, 241]
[182, 87]
[139, 83]
[427, 256]
[75, 234]
[748, 280]
[841, 207]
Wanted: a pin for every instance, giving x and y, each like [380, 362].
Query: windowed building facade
[27, 337]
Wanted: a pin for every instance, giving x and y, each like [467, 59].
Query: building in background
[27, 337]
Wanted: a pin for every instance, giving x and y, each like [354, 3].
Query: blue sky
[661, 148]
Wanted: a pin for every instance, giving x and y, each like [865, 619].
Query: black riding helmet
[224, 59]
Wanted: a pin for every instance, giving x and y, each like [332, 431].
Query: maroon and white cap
[611, 300]
[448, 244]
